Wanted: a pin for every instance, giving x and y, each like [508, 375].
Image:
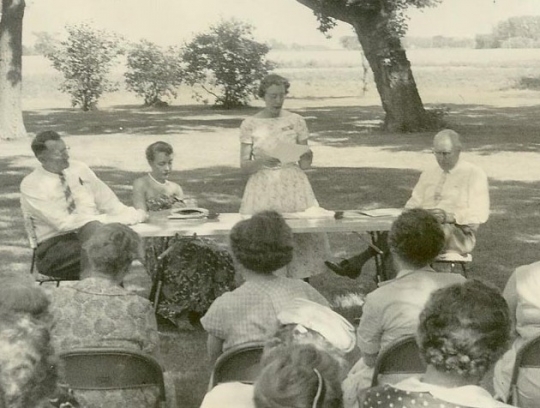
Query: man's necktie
[67, 193]
[437, 196]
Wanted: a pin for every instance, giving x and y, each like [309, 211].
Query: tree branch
[339, 11]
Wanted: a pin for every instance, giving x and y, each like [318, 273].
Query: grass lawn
[355, 166]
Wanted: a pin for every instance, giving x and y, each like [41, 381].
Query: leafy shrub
[85, 59]
[226, 62]
[153, 73]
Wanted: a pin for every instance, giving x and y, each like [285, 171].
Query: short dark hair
[158, 147]
[417, 237]
[272, 79]
[38, 144]
[262, 243]
[464, 328]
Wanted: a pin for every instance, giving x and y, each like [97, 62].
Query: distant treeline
[516, 32]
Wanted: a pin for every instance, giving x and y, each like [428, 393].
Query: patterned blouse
[95, 312]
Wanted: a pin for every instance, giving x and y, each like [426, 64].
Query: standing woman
[273, 185]
[197, 270]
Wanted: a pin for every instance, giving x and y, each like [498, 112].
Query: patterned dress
[95, 312]
[285, 189]
[195, 273]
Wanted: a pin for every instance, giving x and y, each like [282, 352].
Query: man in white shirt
[454, 191]
[66, 201]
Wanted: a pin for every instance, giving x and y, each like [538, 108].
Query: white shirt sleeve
[477, 210]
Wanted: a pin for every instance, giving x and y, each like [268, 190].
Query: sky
[168, 22]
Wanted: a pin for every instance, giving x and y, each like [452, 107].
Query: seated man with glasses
[65, 202]
[454, 191]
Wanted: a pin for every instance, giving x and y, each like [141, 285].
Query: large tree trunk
[387, 59]
[392, 73]
[11, 120]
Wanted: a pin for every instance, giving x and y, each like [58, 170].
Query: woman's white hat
[321, 319]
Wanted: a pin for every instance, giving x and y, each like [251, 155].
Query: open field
[355, 165]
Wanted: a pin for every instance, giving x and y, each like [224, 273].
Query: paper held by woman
[288, 152]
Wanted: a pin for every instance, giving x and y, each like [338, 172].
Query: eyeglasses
[319, 396]
[443, 154]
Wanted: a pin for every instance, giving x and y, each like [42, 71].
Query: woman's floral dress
[194, 273]
[285, 189]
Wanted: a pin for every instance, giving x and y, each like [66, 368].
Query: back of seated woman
[260, 245]
[302, 323]
[98, 312]
[464, 329]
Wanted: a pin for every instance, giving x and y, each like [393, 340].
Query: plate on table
[189, 213]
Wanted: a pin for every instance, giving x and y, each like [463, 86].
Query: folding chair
[32, 241]
[111, 369]
[241, 363]
[453, 259]
[527, 356]
[400, 357]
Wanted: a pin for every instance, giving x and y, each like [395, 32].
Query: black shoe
[341, 269]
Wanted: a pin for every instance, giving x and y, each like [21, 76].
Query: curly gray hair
[464, 328]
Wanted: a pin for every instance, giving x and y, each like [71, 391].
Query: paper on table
[311, 212]
[378, 212]
[382, 212]
[288, 152]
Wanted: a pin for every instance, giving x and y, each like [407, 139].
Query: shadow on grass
[484, 129]
[136, 120]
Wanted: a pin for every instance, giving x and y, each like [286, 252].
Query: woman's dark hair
[464, 328]
[417, 237]
[272, 79]
[299, 376]
[158, 147]
[262, 243]
[112, 248]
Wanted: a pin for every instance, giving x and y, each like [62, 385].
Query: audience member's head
[464, 329]
[416, 237]
[272, 79]
[111, 249]
[262, 243]
[23, 296]
[447, 148]
[301, 376]
[28, 365]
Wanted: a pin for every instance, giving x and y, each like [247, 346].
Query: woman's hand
[305, 160]
[253, 163]
[267, 161]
